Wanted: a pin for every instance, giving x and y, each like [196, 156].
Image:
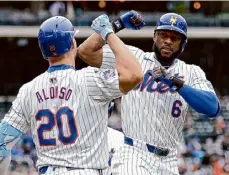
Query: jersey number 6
[176, 111]
[57, 120]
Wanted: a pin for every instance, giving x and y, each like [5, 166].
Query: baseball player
[65, 109]
[153, 114]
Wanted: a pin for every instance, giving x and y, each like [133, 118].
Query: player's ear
[74, 44]
[154, 35]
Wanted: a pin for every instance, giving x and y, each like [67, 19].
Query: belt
[151, 148]
[43, 169]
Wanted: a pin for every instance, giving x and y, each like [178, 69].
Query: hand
[162, 75]
[130, 20]
[102, 26]
[133, 20]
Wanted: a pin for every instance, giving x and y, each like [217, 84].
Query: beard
[165, 61]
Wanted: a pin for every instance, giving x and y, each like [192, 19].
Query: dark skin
[168, 42]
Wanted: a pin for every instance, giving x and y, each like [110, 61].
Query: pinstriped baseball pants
[129, 160]
[64, 171]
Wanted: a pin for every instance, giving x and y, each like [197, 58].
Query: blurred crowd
[205, 148]
[81, 13]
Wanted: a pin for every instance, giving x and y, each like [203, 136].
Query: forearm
[91, 51]
[201, 101]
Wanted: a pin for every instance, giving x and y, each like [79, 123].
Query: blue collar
[59, 67]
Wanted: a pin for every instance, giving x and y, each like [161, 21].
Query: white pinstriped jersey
[152, 112]
[66, 111]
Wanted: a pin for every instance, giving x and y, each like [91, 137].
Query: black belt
[43, 169]
[151, 148]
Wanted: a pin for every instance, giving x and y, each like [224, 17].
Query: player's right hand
[162, 75]
[102, 26]
[133, 20]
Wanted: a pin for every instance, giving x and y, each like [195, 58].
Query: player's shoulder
[89, 73]
[74, 75]
[25, 89]
[150, 56]
[36, 80]
[133, 49]
[191, 67]
[89, 70]
[182, 63]
[42, 75]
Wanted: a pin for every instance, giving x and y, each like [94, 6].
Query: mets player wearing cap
[65, 109]
[153, 114]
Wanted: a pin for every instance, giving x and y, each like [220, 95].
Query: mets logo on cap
[173, 20]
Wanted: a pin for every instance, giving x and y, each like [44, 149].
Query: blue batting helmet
[175, 22]
[55, 36]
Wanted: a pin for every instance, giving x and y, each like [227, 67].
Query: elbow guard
[8, 138]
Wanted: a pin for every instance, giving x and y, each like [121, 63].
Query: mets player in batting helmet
[153, 114]
[171, 22]
[56, 37]
[65, 109]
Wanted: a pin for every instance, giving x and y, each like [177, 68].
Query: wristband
[177, 82]
[118, 25]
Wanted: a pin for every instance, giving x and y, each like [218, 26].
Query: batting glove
[102, 26]
[130, 20]
[162, 75]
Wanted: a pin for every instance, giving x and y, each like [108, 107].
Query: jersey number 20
[57, 120]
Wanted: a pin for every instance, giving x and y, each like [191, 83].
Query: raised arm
[128, 67]
[91, 49]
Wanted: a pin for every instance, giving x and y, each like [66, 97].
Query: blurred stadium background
[205, 147]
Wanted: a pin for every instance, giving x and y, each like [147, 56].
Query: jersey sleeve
[103, 84]
[109, 60]
[199, 80]
[16, 116]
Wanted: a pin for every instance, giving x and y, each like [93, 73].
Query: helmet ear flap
[183, 44]
[154, 35]
[74, 44]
